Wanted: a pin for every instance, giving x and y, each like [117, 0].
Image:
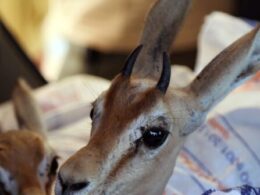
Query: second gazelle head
[28, 164]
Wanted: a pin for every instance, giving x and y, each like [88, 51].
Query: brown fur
[117, 114]
[118, 108]
[119, 111]
[20, 154]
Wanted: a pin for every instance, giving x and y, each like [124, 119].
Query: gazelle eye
[54, 166]
[154, 137]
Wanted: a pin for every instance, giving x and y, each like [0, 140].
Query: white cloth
[224, 152]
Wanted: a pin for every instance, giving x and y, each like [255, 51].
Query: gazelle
[140, 123]
[27, 163]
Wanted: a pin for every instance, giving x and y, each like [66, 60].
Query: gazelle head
[27, 163]
[140, 123]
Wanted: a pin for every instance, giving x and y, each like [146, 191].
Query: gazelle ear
[230, 68]
[26, 109]
[161, 26]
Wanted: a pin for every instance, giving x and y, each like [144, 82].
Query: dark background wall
[249, 9]
[15, 64]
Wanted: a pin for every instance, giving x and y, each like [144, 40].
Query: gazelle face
[27, 165]
[134, 128]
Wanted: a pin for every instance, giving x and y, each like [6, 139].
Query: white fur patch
[8, 182]
[43, 171]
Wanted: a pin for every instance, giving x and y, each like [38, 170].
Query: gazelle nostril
[78, 186]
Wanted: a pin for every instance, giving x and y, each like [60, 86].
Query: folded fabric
[244, 190]
[224, 152]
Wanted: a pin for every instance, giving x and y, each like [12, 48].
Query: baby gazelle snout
[32, 191]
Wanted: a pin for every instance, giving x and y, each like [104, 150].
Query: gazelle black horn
[164, 81]
[129, 64]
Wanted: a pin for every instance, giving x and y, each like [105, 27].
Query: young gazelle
[140, 124]
[27, 163]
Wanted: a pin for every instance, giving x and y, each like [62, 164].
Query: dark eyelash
[138, 143]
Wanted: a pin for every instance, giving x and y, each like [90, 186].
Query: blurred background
[60, 38]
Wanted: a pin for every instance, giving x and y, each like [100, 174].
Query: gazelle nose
[72, 187]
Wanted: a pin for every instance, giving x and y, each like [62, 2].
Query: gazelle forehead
[129, 90]
[123, 104]
[125, 100]
[124, 90]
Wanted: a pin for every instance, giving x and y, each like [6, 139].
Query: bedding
[224, 152]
